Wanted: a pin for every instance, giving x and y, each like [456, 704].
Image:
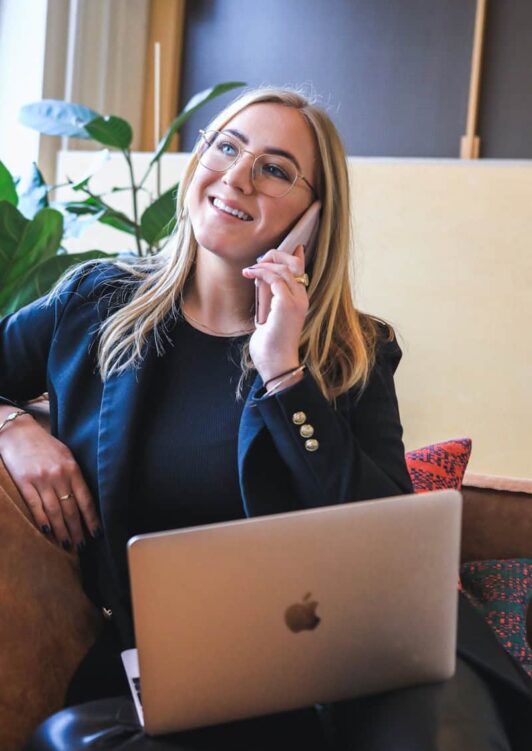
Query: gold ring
[66, 497]
[303, 279]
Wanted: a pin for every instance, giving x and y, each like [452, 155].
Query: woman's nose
[240, 174]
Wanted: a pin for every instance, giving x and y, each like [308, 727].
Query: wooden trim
[470, 143]
[166, 26]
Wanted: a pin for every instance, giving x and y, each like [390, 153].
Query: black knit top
[193, 479]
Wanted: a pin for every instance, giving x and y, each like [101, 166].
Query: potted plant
[33, 227]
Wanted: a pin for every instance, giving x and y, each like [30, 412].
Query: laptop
[274, 613]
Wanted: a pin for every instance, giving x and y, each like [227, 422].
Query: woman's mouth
[221, 206]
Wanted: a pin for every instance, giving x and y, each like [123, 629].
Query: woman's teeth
[234, 212]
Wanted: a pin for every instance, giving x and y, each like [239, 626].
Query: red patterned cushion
[439, 466]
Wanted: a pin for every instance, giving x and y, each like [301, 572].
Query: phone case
[305, 233]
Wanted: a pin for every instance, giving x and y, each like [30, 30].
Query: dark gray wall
[394, 74]
[505, 118]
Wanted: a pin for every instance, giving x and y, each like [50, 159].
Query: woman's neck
[218, 297]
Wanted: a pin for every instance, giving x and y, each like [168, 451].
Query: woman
[162, 388]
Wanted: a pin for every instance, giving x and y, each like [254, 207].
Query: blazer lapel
[120, 413]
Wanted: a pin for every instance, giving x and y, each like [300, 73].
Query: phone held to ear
[305, 232]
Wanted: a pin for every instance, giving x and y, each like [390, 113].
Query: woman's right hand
[44, 470]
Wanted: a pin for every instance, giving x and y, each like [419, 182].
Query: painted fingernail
[45, 529]
[66, 544]
[259, 258]
[96, 533]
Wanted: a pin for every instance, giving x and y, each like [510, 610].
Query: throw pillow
[439, 466]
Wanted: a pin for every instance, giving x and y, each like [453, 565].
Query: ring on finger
[303, 279]
[66, 497]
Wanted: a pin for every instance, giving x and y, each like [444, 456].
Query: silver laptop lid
[268, 614]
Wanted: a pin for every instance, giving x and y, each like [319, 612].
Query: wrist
[279, 385]
[10, 417]
[272, 370]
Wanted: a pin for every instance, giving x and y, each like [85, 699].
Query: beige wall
[444, 252]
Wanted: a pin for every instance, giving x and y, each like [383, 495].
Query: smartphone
[305, 232]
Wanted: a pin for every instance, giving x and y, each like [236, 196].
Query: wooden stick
[470, 143]
[157, 109]
[156, 94]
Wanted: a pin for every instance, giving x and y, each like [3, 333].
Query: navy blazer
[52, 347]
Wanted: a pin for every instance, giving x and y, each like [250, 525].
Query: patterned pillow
[439, 466]
[502, 591]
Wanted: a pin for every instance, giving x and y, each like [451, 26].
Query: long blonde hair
[337, 341]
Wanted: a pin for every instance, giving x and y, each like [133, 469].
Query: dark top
[191, 479]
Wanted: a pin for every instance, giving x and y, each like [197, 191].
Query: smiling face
[262, 221]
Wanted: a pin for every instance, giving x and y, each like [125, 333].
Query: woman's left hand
[274, 346]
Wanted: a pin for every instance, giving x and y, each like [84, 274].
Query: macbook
[273, 613]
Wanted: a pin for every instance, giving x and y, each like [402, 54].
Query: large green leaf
[33, 193]
[119, 221]
[159, 219]
[104, 213]
[55, 117]
[40, 279]
[194, 104]
[111, 131]
[8, 190]
[40, 240]
[12, 226]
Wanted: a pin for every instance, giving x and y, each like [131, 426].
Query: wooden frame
[470, 142]
[166, 26]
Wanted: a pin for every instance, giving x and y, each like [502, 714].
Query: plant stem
[134, 190]
[146, 174]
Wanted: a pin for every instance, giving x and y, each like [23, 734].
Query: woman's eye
[273, 170]
[227, 148]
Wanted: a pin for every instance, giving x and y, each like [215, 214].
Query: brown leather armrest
[496, 524]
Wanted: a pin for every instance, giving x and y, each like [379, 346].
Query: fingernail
[96, 533]
[259, 258]
[45, 529]
[66, 544]
[80, 547]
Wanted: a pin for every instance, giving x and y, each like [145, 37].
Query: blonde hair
[337, 341]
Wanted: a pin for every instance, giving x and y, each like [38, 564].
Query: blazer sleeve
[25, 340]
[27, 336]
[360, 452]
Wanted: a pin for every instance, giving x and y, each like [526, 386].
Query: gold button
[306, 431]
[298, 418]
[312, 444]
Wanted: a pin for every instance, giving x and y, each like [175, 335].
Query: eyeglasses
[272, 174]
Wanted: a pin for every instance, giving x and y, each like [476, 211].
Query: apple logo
[302, 615]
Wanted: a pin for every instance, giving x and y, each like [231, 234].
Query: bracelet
[287, 377]
[12, 416]
[279, 375]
